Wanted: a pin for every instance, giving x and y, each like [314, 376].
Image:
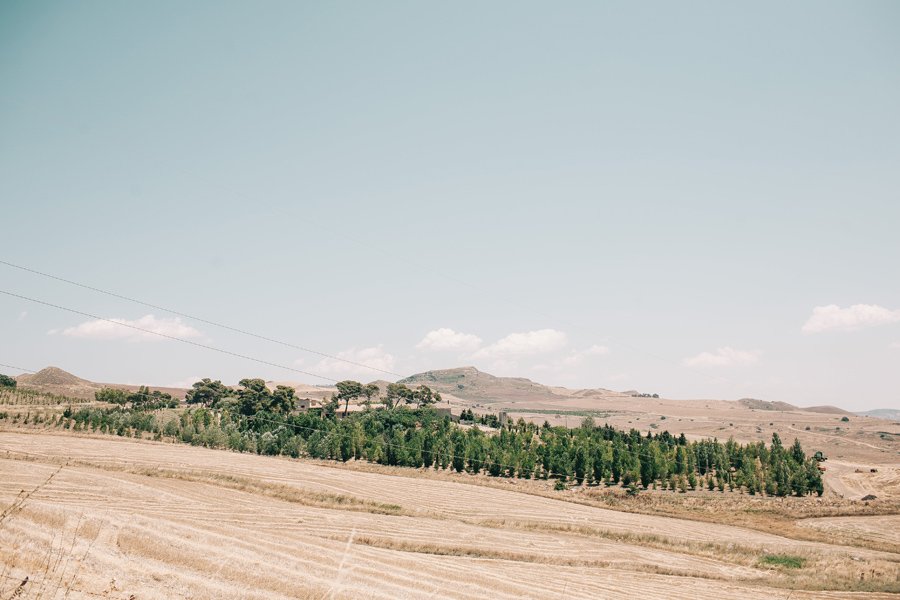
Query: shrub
[560, 485]
[787, 561]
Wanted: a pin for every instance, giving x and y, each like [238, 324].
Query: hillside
[827, 409]
[861, 438]
[179, 521]
[766, 404]
[468, 383]
[52, 376]
[53, 380]
[891, 414]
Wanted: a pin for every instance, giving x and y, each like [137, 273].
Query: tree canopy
[207, 392]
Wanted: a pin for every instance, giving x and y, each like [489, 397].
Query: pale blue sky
[664, 192]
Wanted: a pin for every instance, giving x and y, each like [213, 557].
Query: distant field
[25, 397]
[600, 414]
[110, 517]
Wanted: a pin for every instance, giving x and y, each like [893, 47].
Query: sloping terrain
[891, 414]
[52, 376]
[766, 404]
[863, 441]
[469, 383]
[827, 409]
[53, 380]
[119, 518]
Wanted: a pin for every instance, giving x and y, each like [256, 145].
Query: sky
[696, 199]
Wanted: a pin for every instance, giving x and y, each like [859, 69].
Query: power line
[283, 423]
[198, 319]
[712, 378]
[169, 337]
[17, 368]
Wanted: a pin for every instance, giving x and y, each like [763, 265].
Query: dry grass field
[106, 517]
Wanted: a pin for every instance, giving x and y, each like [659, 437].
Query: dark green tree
[283, 400]
[206, 392]
[396, 393]
[581, 463]
[797, 452]
[253, 396]
[458, 439]
[348, 390]
[111, 395]
[423, 396]
[369, 391]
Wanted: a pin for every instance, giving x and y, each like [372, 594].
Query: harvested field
[115, 517]
[882, 529]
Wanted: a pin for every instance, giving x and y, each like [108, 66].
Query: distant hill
[766, 404]
[891, 414]
[827, 409]
[51, 376]
[53, 380]
[473, 385]
[785, 407]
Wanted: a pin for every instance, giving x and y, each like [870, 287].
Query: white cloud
[447, 339]
[529, 343]
[567, 363]
[723, 357]
[858, 316]
[576, 357]
[376, 357]
[895, 346]
[122, 329]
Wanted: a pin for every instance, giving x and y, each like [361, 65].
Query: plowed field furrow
[172, 521]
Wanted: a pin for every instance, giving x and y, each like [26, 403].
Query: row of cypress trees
[421, 438]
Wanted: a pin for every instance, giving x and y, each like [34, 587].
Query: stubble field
[87, 517]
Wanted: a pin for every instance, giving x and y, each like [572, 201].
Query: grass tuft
[787, 561]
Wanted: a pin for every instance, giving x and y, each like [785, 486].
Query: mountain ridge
[466, 383]
[469, 383]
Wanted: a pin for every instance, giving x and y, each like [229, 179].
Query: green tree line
[6, 381]
[407, 432]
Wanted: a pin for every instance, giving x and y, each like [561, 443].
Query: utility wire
[199, 319]
[169, 337]
[710, 377]
[284, 423]
[17, 368]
